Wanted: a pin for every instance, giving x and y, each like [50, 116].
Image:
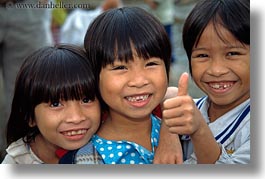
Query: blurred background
[69, 25]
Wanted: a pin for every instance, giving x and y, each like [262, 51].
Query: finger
[183, 84]
[171, 103]
[172, 113]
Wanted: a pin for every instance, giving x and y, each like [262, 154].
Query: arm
[183, 117]
[169, 150]
[205, 146]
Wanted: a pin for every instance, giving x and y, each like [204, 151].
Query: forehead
[217, 34]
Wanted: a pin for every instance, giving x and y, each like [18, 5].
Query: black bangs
[142, 33]
[120, 34]
[62, 75]
[49, 74]
[232, 15]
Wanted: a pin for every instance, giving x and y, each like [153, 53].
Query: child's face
[68, 124]
[135, 88]
[222, 69]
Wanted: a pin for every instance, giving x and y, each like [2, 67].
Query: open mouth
[138, 98]
[75, 132]
[221, 85]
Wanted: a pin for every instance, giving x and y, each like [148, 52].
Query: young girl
[54, 106]
[216, 37]
[131, 53]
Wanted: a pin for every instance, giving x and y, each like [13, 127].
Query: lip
[220, 87]
[138, 100]
[74, 134]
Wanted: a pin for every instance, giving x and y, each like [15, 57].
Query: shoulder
[20, 153]
[18, 147]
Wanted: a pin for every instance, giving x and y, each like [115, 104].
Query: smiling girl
[55, 106]
[216, 37]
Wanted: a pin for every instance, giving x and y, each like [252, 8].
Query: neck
[120, 128]
[44, 150]
[215, 111]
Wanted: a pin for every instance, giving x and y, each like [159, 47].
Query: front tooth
[137, 98]
[226, 86]
[71, 133]
[216, 86]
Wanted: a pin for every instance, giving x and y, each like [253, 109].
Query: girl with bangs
[54, 106]
[131, 54]
[216, 38]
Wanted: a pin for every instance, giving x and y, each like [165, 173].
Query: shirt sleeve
[8, 160]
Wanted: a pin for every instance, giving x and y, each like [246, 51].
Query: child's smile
[139, 100]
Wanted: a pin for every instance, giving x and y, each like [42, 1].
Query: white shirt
[74, 29]
[235, 141]
[20, 153]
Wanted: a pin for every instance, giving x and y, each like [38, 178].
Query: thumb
[183, 84]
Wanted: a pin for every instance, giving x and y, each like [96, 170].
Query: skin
[132, 90]
[221, 68]
[169, 150]
[65, 124]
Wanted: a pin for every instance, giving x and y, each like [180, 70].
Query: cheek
[245, 77]
[106, 88]
[46, 120]
[111, 85]
[97, 113]
[105, 81]
[44, 123]
[161, 81]
[244, 70]
[197, 70]
[94, 114]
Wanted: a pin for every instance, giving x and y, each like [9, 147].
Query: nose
[75, 113]
[138, 78]
[218, 67]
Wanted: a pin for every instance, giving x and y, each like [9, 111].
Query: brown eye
[233, 53]
[86, 100]
[55, 104]
[119, 68]
[202, 56]
[151, 64]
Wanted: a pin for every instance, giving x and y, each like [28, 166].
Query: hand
[182, 116]
[179, 113]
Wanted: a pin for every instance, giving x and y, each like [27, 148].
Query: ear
[32, 123]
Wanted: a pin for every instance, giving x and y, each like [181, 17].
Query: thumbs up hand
[180, 112]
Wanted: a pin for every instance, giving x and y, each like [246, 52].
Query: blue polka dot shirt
[125, 152]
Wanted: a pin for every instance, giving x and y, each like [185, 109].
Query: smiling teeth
[221, 86]
[137, 98]
[78, 132]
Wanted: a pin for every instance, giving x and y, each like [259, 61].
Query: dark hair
[234, 15]
[49, 74]
[117, 32]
